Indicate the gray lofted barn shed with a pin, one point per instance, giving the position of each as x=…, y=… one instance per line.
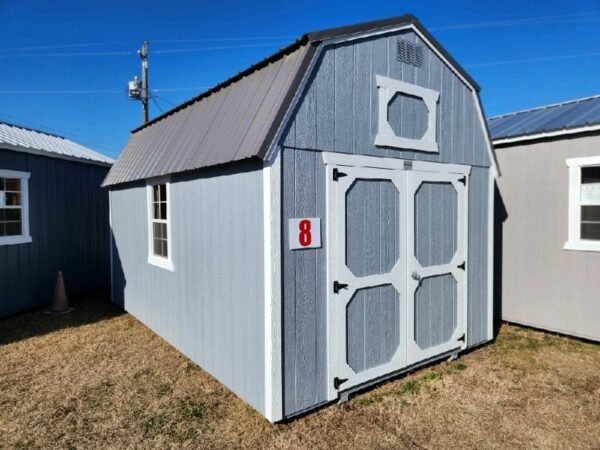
x=53, y=216
x=317, y=223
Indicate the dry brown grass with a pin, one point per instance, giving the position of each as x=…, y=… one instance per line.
x=98, y=378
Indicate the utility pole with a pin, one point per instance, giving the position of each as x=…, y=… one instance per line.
x=138, y=90
x=143, y=53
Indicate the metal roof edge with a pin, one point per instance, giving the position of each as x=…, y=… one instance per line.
x=516, y=140
x=316, y=37
x=538, y=108
x=34, y=151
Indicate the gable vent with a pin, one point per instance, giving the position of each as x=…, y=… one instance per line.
x=409, y=53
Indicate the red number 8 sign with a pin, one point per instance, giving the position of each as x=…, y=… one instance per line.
x=305, y=237
x=304, y=233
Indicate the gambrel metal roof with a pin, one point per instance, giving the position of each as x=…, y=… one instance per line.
x=20, y=139
x=569, y=117
x=239, y=118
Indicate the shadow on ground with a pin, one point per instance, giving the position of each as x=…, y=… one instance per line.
x=90, y=308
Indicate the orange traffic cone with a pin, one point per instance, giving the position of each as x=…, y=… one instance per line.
x=60, y=302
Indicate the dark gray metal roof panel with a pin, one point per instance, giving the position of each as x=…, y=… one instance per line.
x=562, y=116
x=238, y=118
x=229, y=125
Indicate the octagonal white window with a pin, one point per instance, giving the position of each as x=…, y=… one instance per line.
x=388, y=88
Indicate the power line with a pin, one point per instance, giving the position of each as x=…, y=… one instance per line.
x=223, y=39
x=164, y=100
x=157, y=105
x=516, y=22
x=129, y=53
x=94, y=91
x=50, y=47
x=530, y=60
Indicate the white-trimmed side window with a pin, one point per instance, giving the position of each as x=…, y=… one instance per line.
x=584, y=204
x=159, y=227
x=14, y=207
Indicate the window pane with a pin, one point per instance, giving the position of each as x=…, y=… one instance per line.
x=156, y=210
x=2, y=230
x=2, y=181
x=13, y=184
x=163, y=230
x=155, y=194
x=158, y=247
x=163, y=211
x=590, y=213
x=590, y=231
x=590, y=175
x=12, y=228
x=13, y=199
x=156, y=230
x=164, y=249
x=163, y=192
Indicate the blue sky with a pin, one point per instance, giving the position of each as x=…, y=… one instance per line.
x=508, y=46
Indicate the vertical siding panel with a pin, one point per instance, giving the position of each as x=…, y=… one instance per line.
x=324, y=85
x=306, y=325
x=344, y=114
x=363, y=79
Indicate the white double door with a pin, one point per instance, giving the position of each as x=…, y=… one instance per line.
x=397, y=248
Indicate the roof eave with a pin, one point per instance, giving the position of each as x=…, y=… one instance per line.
x=34, y=151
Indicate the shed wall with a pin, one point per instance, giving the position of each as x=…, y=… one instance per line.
x=211, y=307
x=543, y=285
x=338, y=113
x=68, y=221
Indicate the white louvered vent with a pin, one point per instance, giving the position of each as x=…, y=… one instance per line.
x=409, y=53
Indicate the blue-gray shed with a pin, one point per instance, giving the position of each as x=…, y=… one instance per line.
x=53, y=216
x=317, y=223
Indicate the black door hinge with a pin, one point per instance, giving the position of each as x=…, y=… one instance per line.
x=463, y=180
x=337, y=174
x=462, y=266
x=338, y=286
x=462, y=338
x=337, y=382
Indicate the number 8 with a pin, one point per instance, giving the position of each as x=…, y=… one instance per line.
x=305, y=237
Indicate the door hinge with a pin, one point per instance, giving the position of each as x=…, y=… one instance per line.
x=462, y=266
x=337, y=382
x=338, y=286
x=462, y=338
x=337, y=174
x=463, y=180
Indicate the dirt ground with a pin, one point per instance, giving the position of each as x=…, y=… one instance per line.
x=99, y=378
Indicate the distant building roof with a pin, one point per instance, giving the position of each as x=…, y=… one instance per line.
x=569, y=117
x=17, y=138
x=239, y=118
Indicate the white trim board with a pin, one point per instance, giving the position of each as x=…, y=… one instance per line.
x=345, y=159
x=547, y=134
x=272, y=286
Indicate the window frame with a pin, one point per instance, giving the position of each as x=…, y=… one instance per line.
x=155, y=260
x=574, y=241
x=25, y=236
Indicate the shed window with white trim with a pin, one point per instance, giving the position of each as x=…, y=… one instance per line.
x=584, y=204
x=14, y=207
x=159, y=229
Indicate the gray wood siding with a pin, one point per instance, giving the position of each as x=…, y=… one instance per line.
x=338, y=113
x=68, y=221
x=211, y=307
x=435, y=310
x=543, y=285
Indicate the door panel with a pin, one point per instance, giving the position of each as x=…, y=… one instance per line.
x=397, y=286
x=367, y=315
x=436, y=266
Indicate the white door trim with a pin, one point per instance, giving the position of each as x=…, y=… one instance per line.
x=337, y=365
x=344, y=159
x=414, y=353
